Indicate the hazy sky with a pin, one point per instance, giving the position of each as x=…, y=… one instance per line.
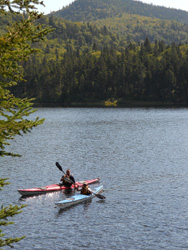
x=177, y=4
x=54, y=5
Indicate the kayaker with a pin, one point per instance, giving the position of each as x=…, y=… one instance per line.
x=85, y=189
x=68, y=179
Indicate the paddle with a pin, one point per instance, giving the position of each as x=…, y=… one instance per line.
x=100, y=196
x=59, y=166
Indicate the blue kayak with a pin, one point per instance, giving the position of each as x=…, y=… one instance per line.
x=78, y=198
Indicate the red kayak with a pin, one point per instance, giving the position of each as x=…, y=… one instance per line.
x=51, y=188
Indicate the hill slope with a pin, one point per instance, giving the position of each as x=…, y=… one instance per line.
x=135, y=28
x=131, y=21
x=89, y=10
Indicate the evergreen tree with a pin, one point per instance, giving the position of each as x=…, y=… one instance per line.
x=15, y=47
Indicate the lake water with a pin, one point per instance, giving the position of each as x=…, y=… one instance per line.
x=141, y=156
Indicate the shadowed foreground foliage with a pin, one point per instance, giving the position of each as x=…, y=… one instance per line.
x=15, y=47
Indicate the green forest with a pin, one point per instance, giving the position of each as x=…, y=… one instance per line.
x=126, y=57
x=150, y=73
x=89, y=10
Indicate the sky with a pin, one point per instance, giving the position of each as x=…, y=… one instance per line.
x=54, y=5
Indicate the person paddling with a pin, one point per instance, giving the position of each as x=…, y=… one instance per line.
x=68, y=179
x=85, y=189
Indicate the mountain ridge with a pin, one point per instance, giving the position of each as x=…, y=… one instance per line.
x=88, y=10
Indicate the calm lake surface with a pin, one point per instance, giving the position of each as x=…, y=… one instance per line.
x=141, y=156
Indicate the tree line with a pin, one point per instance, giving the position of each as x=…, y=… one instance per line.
x=148, y=73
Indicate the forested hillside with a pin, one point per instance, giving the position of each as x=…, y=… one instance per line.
x=111, y=32
x=121, y=59
x=134, y=28
x=68, y=35
x=131, y=21
x=89, y=10
x=116, y=31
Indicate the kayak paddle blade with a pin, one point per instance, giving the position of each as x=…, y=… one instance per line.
x=100, y=196
x=59, y=166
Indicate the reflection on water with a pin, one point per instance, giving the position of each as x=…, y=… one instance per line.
x=141, y=157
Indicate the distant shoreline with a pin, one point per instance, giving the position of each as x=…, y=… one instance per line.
x=102, y=105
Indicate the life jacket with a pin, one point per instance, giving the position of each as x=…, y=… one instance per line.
x=66, y=183
x=85, y=191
